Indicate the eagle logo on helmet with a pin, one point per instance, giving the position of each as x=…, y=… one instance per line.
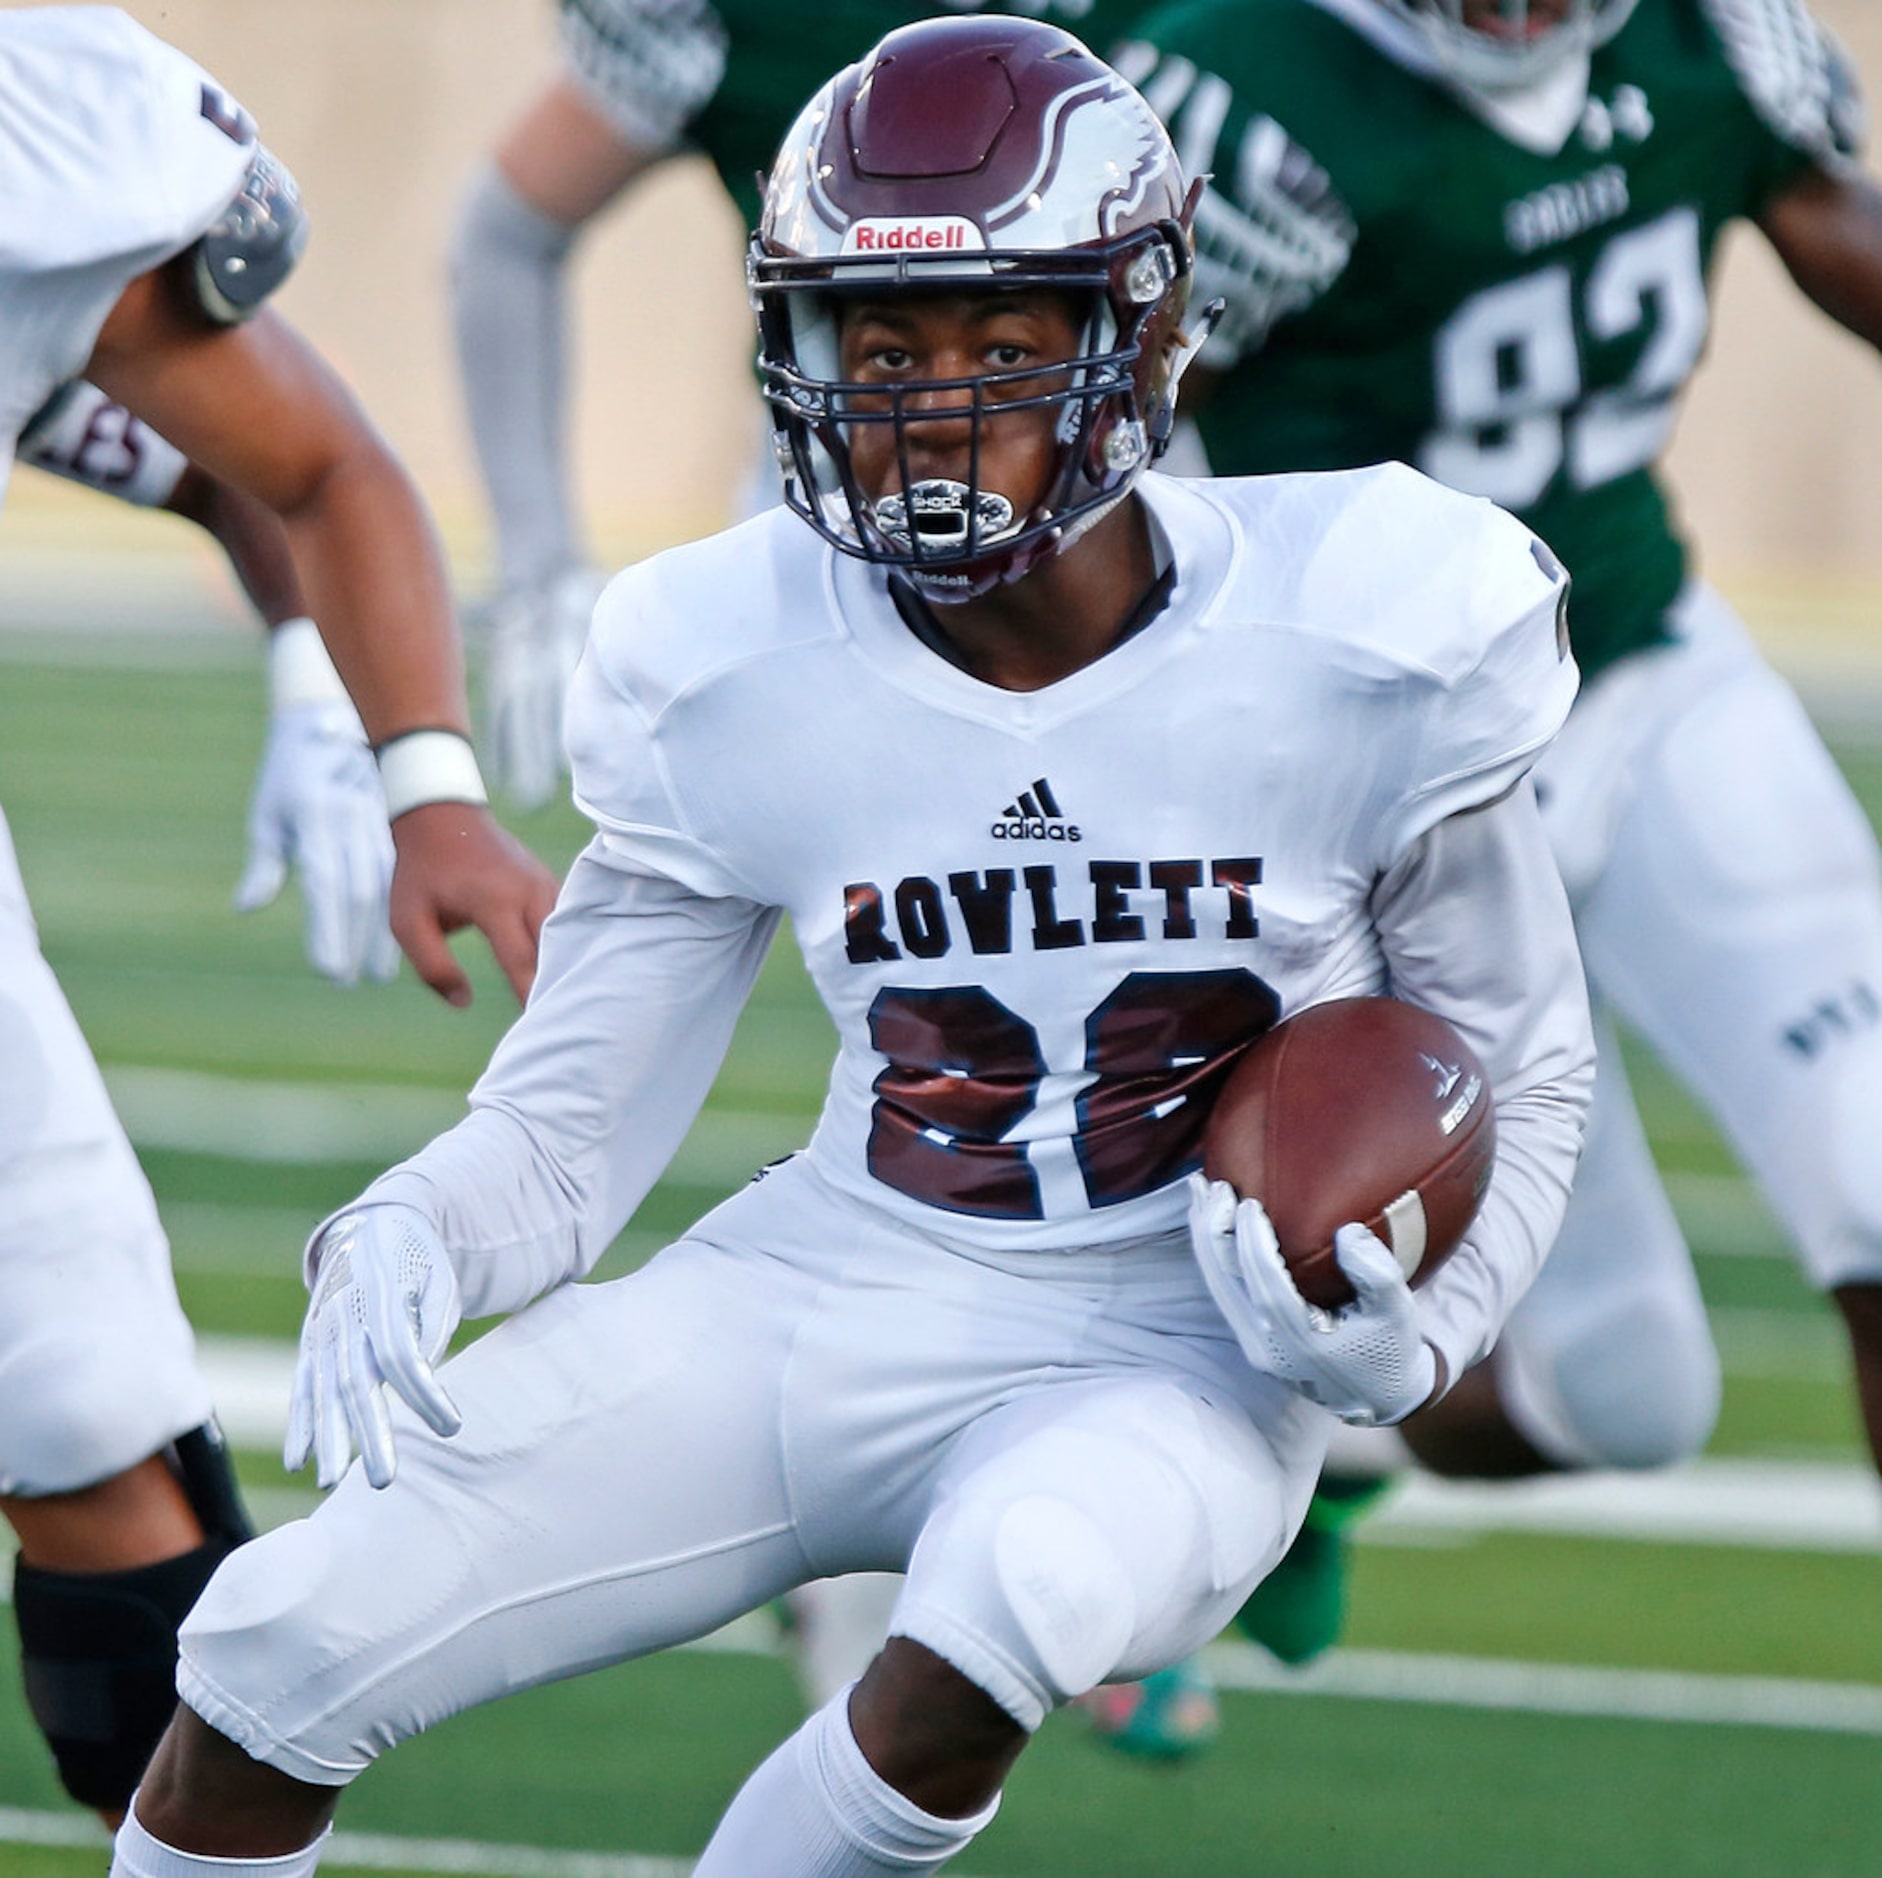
x=994, y=151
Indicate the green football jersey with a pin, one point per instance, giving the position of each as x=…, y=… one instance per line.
x=1513, y=322
x=730, y=76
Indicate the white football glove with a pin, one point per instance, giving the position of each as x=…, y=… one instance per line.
x=1367, y=1361
x=318, y=808
x=536, y=637
x=384, y=1305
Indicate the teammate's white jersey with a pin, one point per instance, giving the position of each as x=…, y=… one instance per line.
x=1043, y=922
x=116, y=152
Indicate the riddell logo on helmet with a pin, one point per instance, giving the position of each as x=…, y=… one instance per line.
x=911, y=234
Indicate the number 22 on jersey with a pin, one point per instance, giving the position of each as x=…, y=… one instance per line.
x=966, y=1074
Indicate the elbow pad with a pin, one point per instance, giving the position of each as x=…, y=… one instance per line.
x=252, y=246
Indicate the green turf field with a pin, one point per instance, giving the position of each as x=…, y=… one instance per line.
x=263, y=1097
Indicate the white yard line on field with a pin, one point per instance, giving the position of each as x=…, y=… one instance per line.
x=305, y=1124
x=1361, y=1675
x=300, y=1123
x=1802, y=1506
x=1558, y=1689
x=381, y=1851
x=376, y=1851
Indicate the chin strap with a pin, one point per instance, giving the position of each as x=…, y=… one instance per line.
x=1194, y=338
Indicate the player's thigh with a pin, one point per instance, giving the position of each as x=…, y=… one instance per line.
x=97, y=1365
x=617, y=1487
x=1608, y=1359
x=1100, y=1529
x=1738, y=927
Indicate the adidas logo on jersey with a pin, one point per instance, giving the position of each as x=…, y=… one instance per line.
x=1034, y=815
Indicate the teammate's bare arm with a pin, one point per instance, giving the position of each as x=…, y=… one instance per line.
x=250, y=534
x=1827, y=230
x=566, y=158
x=254, y=406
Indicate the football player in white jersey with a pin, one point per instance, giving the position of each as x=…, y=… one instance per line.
x=141, y=227
x=641, y=82
x=1072, y=781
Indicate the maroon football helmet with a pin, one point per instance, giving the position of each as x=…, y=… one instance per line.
x=972, y=150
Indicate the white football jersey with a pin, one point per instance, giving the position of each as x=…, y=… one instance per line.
x=116, y=152
x=1043, y=922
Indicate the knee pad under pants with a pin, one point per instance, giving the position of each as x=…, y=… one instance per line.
x=1072, y=1548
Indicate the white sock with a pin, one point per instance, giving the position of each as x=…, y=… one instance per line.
x=817, y=1809
x=507, y=295
x=135, y=1854
x=1368, y=1451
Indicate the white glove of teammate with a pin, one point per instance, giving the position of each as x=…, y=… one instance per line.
x=1366, y=1362
x=384, y=1305
x=536, y=637
x=318, y=807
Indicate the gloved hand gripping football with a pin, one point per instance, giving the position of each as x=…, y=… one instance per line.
x=1366, y=1361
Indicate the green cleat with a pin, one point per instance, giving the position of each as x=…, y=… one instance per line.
x=1166, y=1717
x=1297, y=1612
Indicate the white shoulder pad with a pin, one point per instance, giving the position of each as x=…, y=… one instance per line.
x=112, y=143
x=668, y=626
x=1386, y=558
x=1796, y=75
x=1454, y=604
x=667, y=632
x=1272, y=234
x=652, y=65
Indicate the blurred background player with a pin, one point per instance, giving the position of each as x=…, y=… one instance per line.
x=317, y=809
x=642, y=82
x=1476, y=235
x=142, y=225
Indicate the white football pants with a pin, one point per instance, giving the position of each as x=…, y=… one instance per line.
x=97, y=1364
x=1073, y=1461
x=1729, y=904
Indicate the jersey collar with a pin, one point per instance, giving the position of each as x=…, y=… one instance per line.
x=929, y=627
x=1203, y=550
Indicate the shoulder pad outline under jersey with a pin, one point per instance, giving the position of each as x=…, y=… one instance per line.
x=653, y=64
x=1272, y=233
x=1795, y=74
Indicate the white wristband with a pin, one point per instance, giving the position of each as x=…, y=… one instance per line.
x=420, y=767
x=299, y=670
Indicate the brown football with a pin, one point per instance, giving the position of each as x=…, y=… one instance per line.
x=1362, y=1109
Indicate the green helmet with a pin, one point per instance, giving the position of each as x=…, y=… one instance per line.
x=1522, y=41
